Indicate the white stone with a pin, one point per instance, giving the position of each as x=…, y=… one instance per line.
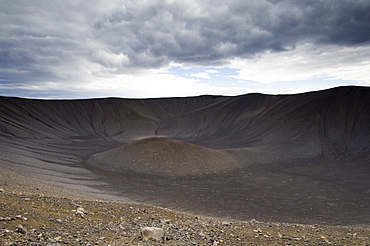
x=82, y=210
x=152, y=233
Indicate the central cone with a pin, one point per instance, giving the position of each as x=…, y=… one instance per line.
x=161, y=156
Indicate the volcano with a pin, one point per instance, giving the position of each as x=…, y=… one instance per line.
x=295, y=158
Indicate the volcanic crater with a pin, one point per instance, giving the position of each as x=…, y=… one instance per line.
x=291, y=158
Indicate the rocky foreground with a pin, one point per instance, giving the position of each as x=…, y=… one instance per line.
x=31, y=219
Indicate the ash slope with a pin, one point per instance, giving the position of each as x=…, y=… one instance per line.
x=329, y=123
x=319, y=139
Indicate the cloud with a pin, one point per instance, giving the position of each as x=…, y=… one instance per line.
x=203, y=75
x=212, y=71
x=207, y=74
x=155, y=33
x=79, y=42
x=307, y=62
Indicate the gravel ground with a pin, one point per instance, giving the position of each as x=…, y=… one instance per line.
x=35, y=212
x=42, y=220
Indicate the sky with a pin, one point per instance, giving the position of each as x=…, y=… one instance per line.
x=175, y=48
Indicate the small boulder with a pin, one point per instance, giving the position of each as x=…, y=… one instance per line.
x=152, y=233
x=81, y=209
x=80, y=214
x=21, y=229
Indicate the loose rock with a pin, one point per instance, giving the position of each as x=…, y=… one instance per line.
x=82, y=210
x=21, y=229
x=152, y=233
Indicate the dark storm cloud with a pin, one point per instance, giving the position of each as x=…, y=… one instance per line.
x=43, y=40
x=337, y=22
x=208, y=32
